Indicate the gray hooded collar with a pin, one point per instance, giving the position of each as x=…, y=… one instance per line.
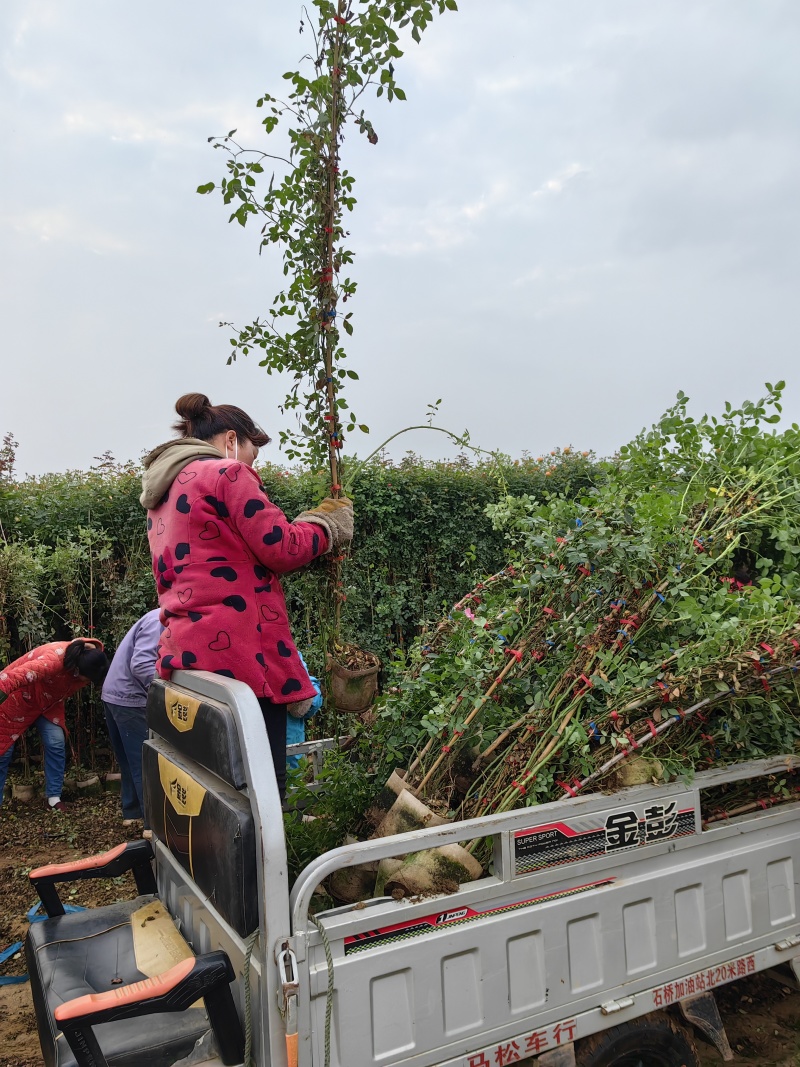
x=163, y=465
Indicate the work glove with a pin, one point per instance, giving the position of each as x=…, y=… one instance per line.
x=336, y=518
x=300, y=708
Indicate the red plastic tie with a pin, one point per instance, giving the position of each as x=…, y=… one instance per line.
x=521, y=788
x=587, y=681
x=515, y=653
x=762, y=803
x=652, y=728
x=550, y=611
x=765, y=683
x=584, y=570
x=633, y=742
x=567, y=788
x=767, y=649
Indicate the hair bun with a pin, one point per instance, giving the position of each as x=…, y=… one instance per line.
x=192, y=405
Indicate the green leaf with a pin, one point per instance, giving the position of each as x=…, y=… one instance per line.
x=207, y=188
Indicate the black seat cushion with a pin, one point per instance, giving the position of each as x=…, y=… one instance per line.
x=200, y=729
x=208, y=827
x=99, y=950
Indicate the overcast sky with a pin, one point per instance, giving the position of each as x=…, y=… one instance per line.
x=583, y=207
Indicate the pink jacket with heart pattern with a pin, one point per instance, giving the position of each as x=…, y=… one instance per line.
x=218, y=545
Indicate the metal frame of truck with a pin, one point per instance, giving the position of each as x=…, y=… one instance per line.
x=599, y=909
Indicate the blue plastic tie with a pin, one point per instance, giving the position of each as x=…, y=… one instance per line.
x=34, y=917
x=6, y=954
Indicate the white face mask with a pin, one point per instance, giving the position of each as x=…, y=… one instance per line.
x=235, y=449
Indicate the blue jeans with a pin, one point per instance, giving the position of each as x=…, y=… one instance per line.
x=127, y=728
x=55, y=758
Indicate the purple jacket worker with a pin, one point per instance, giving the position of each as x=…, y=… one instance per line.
x=125, y=698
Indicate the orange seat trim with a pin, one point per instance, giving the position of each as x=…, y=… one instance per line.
x=128, y=994
x=88, y=864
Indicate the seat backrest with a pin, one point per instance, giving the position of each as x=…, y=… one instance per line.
x=202, y=730
x=192, y=773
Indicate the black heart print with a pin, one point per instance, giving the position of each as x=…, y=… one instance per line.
x=252, y=506
x=218, y=506
x=228, y=573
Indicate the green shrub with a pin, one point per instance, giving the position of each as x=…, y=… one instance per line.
x=74, y=557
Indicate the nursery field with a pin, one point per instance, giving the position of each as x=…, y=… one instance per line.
x=574, y=625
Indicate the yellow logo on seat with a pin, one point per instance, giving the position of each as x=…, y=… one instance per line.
x=181, y=709
x=181, y=790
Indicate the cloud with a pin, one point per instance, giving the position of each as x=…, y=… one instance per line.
x=60, y=226
x=580, y=209
x=441, y=224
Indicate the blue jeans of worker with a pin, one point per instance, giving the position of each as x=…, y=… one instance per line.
x=55, y=758
x=127, y=728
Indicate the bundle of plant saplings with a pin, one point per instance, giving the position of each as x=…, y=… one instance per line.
x=645, y=630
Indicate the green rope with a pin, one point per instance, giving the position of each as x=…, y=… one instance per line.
x=329, y=997
x=248, y=1013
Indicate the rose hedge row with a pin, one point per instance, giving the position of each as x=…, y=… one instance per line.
x=74, y=556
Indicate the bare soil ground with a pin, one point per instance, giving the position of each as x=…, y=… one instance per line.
x=761, y=1016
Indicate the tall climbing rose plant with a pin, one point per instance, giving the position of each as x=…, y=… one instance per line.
x=355, y=44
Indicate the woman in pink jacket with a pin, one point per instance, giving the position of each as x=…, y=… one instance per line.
x=33, y=689
x=218, y=546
